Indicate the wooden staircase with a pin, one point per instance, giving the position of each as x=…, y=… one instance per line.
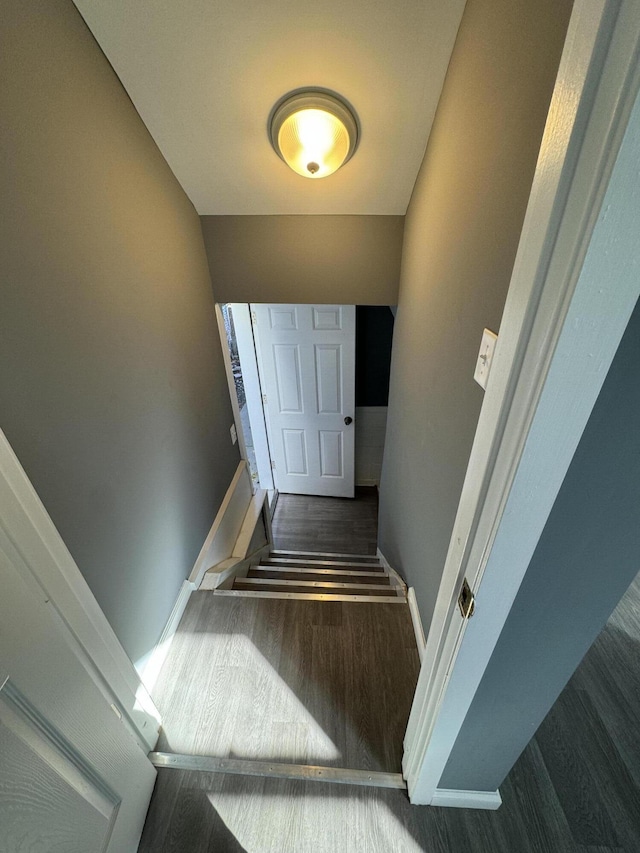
x=319, y=577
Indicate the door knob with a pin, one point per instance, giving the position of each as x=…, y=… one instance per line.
x=348, y=421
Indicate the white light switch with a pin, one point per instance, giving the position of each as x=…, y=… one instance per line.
x=234, y=434
x=485, y=357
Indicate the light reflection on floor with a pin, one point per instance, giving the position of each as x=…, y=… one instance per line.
x=322, y=822
x=274, y=722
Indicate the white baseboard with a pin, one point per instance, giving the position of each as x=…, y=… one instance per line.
x=226, y=527
x=253, y=514
x=490, y=800
x=230, y=532
x=152, y=665
x=396, y=579
x=421, y=640
x=371, y=424
x=227, y=571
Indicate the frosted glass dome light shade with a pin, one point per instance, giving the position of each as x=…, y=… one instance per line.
x=315, y=133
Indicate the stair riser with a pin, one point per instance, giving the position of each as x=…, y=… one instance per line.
x=292, y=575
x=303, y=596
x=324, y=590
x=322, y=564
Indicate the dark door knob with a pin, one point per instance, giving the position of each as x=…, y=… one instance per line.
x=348, y=420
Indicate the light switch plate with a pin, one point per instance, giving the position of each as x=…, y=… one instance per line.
x=234, y=434
x=485, y=357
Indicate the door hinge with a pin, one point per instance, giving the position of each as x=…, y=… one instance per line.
x=254, y=319
x=466, y=601
x=264, y=398
x=273, y=464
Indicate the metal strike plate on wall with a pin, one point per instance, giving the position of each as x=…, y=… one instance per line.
x=466, y=601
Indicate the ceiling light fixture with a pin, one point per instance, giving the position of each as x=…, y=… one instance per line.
x=314, y=131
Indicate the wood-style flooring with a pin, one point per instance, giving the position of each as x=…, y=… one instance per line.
x=342, y=525
x=575, y=789
x=307, y=682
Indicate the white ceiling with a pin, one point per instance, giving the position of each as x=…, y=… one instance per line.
x=204, y=75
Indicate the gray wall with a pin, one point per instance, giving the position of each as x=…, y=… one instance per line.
x=461, y=234
x=587, y=556
x=112, y=386
x=351, y=260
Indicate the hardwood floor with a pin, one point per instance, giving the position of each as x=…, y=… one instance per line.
x=205, y=812
x=343, y=525
x=306, y=682
x=575, y=789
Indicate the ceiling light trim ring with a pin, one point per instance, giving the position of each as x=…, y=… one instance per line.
x=314, y=99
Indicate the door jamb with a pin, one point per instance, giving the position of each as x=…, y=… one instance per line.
x=228, y=369
x=557, y=340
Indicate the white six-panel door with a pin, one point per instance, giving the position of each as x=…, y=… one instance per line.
x=306, y=358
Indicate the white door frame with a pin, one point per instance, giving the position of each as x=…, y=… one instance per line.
x=559, y=334
x=253, y=392
x=228, y=368
x=83, y=624
x=249, y=365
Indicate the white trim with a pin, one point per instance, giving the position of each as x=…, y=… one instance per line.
x=224, y=574
x=227, y=524
x=370, y=425
x=467, y=799
x=253, y=514
x=229, y=534
x=557, y=339
x=230, y=382
x=311, y=596
x=153, y=665
x=418, y=629
x=33, y=534
x=397, y=581
x=252, y=390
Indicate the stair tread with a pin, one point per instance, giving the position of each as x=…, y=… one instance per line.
x=326, y=555
x=320, y=586
x=293, y=573
x=312, y=596
x=325, y=564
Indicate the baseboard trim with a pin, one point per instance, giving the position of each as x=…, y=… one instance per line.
x=149, y=673
x=418, y=629
x=396, y=579
x=252, y=516
x=227, y=524
x=228, y=570
x=448, y=798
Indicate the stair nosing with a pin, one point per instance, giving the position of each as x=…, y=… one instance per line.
x=310, y=584
x=328, y=572
x=312, y=596
x=325, y=564
x=323, y=554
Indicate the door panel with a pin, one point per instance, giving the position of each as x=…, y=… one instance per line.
x=288, y=379
x=295, y=451
x=51, y=800
x=329, y=378
x=306, y=358
x=331, y=457
x=72, y=776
